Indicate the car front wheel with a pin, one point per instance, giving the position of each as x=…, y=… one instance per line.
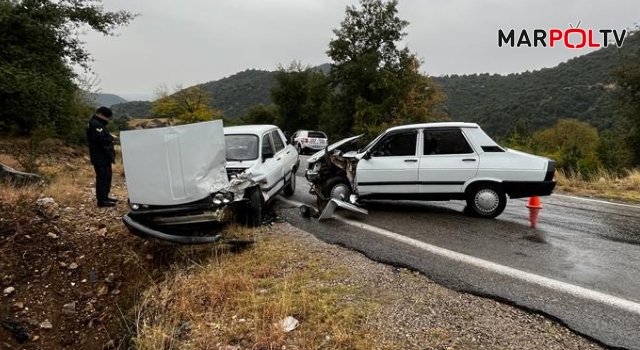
x=486, y=201
x=337, y=187
x=256, y=202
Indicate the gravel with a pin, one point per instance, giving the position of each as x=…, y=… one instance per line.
x=415, y=313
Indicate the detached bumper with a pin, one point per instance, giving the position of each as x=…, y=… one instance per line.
x=143, y=231
x=521, y=189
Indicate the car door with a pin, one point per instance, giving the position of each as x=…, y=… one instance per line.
x=286, y=152
x=271, y=167
x=391, y=166
x=447, y=161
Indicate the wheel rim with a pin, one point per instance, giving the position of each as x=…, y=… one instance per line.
x=340, y=191
x=487, y=200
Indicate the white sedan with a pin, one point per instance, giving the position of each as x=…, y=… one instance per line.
x=432, y=161
x=182, y=178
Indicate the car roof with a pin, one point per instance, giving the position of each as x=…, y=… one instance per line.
x=435, y=125
x=249, y=129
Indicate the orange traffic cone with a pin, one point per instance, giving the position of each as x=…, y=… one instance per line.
x=534, y=206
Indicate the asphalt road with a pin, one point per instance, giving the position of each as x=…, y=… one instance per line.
x=580, y=265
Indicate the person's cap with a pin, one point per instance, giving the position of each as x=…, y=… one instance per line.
x=105, y=111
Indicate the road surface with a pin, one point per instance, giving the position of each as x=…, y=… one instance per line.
x=580, y=265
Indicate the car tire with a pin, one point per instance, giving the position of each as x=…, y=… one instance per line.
x=299, y=149
x=337, y=187
x=486, y=201
x=290, y=187
x=256, y=204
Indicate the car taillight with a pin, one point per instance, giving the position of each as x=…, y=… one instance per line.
x=305, y=140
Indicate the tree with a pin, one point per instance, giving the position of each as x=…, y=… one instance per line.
x=628, y=81
x=261, y=114
x=376, y=83
x=40, y=45
x=300, y=93
x=184, y=106
x=572, y=143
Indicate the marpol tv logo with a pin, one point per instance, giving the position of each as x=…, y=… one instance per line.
x=571, y=38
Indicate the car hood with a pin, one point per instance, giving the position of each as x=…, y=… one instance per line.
x=174, y=165
x=314, y=158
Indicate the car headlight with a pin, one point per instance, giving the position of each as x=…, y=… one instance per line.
x=222, y=197
x=135, y=206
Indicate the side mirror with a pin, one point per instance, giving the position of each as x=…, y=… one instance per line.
x=366, y=155
x=266, y=156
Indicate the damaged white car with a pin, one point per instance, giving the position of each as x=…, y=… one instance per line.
x=433, y=161
x=181, y=178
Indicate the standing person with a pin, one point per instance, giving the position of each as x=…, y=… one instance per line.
x=102, y=154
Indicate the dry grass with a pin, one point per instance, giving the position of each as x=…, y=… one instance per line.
x=241, y=299
x=603, y=185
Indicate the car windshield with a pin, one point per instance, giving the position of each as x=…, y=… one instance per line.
x=241, y=147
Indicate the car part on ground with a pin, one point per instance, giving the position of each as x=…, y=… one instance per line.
x=18, y=178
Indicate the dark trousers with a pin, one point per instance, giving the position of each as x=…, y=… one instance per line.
x=103, y=182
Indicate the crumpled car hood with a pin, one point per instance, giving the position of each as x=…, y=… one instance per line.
x=314, y=158
x=174, y=165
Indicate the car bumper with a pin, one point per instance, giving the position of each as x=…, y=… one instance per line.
x=314, y=147
x=146, y=232
x=521, y=189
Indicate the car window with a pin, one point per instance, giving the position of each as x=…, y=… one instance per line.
x=267, y=147
x=277, y=141
x=445, y=142
x=397, y=144
x=241, y=147
x=317, y=135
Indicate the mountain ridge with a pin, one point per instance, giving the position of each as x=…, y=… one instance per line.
x=581, y=88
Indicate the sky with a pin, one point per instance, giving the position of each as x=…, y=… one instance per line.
x=189, y=42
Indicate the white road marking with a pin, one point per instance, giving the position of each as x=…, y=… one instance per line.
x=596, y=201
x=564, y=287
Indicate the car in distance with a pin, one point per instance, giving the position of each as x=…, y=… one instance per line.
x=309, y=141
x=183, y=179
x=432, y=161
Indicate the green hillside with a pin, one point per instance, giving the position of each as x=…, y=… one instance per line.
x=104, y=99
x=579, y=88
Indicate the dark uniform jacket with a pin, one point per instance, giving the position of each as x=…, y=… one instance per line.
x=100, y=140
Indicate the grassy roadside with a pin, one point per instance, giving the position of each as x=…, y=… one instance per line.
x=241, y=300
x=602, y=185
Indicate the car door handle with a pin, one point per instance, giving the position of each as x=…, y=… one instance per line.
x=288, y=152
x=279, y=158
x=469, y=160
x=410, y=160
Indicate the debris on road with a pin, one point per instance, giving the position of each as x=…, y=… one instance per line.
x=289, y=324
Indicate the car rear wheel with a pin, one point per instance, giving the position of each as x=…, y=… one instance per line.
x=290, y=187
x=486, y=201
x=299, y=149
x=337, y=187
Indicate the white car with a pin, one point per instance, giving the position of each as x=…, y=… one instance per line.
x=432, y=161
x=264, y=152
x=309, y=141
x=181, y=178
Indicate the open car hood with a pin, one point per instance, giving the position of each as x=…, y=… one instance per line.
x=174, y=165
x=314, y=158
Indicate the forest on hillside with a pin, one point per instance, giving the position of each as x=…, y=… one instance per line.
x=581, y=88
